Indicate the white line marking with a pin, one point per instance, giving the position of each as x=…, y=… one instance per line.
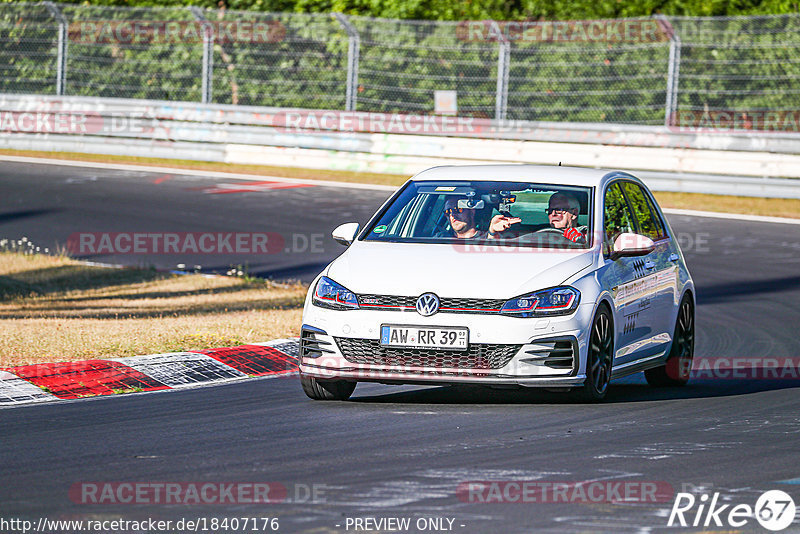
x=193, y=172
x=329, y=183
x=734, y=216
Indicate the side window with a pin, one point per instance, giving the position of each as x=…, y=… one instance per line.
x=617, y=218
x=649, y=225
x=662, y=233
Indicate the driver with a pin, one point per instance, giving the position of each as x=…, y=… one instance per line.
x=562, y=212
x=462, y=222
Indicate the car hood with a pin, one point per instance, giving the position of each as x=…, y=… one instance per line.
x=410, y=269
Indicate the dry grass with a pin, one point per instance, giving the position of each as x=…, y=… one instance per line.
x=772, y=207
x=55, y=309
x=730, y=204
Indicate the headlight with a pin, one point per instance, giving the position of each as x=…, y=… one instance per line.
x=329, y=294
x=546, y=303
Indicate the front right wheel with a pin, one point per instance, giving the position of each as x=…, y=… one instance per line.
x=326, y=389
x=600, y=357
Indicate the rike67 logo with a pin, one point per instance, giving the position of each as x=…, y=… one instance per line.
x=774, y=510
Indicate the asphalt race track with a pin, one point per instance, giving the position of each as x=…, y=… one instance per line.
x=48, y=204
x=403, y=452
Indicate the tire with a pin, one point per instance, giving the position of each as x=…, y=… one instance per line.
x=677, y=368
x=599, y=358
x=326, y=389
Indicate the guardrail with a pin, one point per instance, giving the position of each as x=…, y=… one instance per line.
x=642, y=70
x=763, y=164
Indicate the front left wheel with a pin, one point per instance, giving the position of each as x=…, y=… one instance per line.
x=326, y=389
x=676, y=370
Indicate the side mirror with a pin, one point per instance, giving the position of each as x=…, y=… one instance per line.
x=344, y=234
x=630, y=244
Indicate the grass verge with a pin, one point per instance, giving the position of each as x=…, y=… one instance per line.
x=55, y=309
x=773, y=207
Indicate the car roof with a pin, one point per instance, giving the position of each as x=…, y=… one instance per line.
x=549, y=174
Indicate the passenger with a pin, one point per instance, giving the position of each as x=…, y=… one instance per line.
x=463, y=226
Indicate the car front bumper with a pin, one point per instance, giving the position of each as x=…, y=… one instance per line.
x=535, y=348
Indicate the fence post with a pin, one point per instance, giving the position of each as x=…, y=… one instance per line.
x=503, y=60
x=673, y=70
x=61, y=59
x=208, y=55
x=353, y=51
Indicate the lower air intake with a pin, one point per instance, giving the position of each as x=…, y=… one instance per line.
x=477, y=356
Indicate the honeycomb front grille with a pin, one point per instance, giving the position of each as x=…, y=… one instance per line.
x=477, y=356
x=459, y=305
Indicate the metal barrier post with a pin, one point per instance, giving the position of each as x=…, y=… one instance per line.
x=208, y=55
x=673, y=71
x=353, y=50
x=503, y=60
x=61, y=59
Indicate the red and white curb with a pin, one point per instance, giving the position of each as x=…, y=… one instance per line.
x=45, y=382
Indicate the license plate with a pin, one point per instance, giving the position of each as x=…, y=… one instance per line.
x=425, y=337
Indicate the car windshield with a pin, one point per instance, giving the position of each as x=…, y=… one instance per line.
x=500, y=213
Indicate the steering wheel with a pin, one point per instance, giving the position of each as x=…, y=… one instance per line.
x=553, y=230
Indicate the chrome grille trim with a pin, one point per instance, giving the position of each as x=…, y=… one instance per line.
x=446, y=305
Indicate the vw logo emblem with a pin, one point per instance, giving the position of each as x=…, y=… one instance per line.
x=427, y=304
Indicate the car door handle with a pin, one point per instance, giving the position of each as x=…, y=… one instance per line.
x=649, y=265
x=674, y=257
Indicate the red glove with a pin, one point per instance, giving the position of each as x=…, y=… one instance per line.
x=573, y=234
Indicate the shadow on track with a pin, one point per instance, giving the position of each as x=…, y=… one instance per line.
x=617, y=393
x=13, y=216
x=728, y=291
x=63, y=278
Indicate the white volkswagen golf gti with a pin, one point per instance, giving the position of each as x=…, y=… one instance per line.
x=500, y=275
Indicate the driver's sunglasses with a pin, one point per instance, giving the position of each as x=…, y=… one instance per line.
x=557, y=211
x=451, y=211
